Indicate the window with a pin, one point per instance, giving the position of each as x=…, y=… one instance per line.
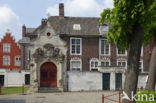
x=122, y=63
x=6, y=48
x=75, y=46
x=17, y=61
x=105, y=63
x=75, y=65
x=140, y=66
x=93, y=65
x=76, y=27
x=121, y=52
x=6, y=60
x=104, y=47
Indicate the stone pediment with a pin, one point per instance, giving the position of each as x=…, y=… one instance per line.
x=47, y=29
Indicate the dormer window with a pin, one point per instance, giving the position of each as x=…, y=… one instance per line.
x=76, y=27
x=103, y=29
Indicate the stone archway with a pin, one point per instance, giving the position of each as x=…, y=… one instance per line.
x=48, y=75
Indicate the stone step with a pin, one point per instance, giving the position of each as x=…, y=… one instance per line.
x=48, y=90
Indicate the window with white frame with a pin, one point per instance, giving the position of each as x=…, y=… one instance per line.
x=6, y=48
x=104, y=47
x=140, y=66
x=94, y=65
x=121, y=52
x=105, y=63
x=75, y=46
x=6, y=60
x=75, y=65
x=122, y=63
x=17, y=61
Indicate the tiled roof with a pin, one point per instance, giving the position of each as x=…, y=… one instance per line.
x=64, y=26
x=89, y=26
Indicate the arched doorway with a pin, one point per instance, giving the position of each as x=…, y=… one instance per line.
x=48, y=75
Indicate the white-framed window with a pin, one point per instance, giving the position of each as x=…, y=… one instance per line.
x=121, y=52
x=17, y=61
x=122, y=64
x=104, y=47
x=105, y=63
x=141, y=66
x=6, y=47
x=76, y=27
x=94, y=65
x=75, y=46
x=6, y=60
x=75, y=65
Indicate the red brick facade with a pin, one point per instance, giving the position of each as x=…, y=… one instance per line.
x=14, y=52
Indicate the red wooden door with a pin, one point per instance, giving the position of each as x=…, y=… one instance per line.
x=48, y=75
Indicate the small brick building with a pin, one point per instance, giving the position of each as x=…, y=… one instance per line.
x=72, y=53
x=10, y=53
x=11, y=73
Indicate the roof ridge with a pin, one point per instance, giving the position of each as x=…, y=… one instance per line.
x=76, y=17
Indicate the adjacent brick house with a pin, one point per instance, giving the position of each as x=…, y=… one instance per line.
x=76, y=50
x=11, y=73
x=10, y=53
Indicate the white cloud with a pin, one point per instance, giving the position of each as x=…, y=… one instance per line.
x=108, y=3
x=89, y=8
x=9, y=20
x=53, y=10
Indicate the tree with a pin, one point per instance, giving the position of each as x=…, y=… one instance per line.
x=130, y=19
x=151, y=33
x=152, y=70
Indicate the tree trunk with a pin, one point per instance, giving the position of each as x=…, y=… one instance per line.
x=132, y=72
x=152, y=70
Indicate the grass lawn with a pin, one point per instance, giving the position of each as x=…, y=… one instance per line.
x=14, y=90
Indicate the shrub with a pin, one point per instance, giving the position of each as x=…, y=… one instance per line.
x=145, y=95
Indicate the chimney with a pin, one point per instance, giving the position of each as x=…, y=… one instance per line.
x=44, y=22
x=61, y=10
x=23, y=31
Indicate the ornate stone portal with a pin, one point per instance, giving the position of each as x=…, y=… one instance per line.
x=47, y=61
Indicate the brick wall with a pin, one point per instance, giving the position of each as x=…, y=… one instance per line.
x=90, y=49
x=14, y=51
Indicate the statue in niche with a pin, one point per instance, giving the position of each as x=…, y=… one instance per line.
x=56, y=52
x=49, y=50
x=38, y=53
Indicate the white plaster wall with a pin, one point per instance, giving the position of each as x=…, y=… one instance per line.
x=87, y=81
x=142, y=81
x=123, y=80
x=112, y=81
x=15, y=78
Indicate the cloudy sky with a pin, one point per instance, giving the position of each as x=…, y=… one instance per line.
x=15, y=13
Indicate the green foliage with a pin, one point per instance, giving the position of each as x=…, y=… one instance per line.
x=124, y=16
x=148, y=93
x=150, y=27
